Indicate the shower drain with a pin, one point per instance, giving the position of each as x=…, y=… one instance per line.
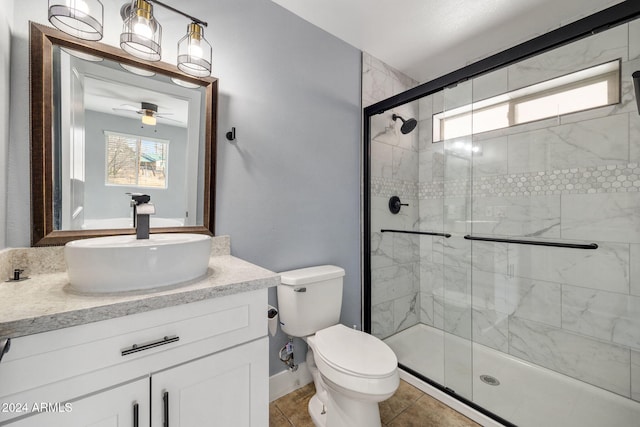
x=488, y=379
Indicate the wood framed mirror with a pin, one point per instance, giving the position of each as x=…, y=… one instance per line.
x=91, y=143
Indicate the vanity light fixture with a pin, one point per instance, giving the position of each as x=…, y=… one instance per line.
x=141, y=32
x=194, y=52
x=79, y=18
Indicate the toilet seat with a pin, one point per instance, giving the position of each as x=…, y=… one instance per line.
x=355, y=353
x=354, y=363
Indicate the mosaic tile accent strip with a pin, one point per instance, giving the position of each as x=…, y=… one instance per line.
x=387, y=187
x=590, y=180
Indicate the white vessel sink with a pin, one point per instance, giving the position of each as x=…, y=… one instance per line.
x=122, y=263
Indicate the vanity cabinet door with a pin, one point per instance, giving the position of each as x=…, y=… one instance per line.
x=111, y=408
x=230, y=388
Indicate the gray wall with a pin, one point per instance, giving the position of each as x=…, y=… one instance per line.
x=288, y=190
x=6, y=17
x=102, y=201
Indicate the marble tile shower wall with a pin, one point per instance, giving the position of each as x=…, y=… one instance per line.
x=395, y=258
x=573, y=177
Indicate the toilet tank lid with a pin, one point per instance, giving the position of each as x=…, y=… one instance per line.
x=304, y=276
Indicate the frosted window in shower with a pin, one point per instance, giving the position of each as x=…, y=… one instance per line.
x=583, y=90
x=581, y=98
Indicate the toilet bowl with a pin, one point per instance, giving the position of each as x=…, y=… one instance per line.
x=352, y=370
x=356, y=371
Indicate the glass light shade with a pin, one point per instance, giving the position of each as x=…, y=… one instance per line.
x=79, y=18
x=141, y=33
x=194, y=52
x=148, y=118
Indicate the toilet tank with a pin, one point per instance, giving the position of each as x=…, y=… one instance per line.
x=310, y=299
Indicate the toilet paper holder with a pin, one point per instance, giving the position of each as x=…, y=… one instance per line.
x=272, y=316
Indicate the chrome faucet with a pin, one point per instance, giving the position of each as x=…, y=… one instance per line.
x=142, y=208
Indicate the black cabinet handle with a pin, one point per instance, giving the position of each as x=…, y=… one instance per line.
x=136, y=348
x=165, y=402
x=135, y=415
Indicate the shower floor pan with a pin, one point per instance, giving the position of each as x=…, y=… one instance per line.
x=528, y=395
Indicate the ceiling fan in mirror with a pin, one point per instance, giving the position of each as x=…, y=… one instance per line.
x=148, y=111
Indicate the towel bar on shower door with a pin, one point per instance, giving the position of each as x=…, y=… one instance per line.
x=427, y=233
x=535, y=242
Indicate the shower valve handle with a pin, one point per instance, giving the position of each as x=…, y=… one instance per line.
x=395, y=204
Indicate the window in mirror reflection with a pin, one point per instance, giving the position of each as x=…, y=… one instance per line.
x=136, y=161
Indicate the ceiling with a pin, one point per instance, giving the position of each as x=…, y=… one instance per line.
x=429, y=38
x=108, y=88
x=112, y=97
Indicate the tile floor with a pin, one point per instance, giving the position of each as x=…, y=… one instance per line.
x=409, y=407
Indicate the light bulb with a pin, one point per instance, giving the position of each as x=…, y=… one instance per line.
x=194, y=52
x=195, y=49
x=142, y=28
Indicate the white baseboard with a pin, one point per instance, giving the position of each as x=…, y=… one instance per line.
x=451, y=402
x=285, y=382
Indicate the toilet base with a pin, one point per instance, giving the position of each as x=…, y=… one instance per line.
x=346, y=413
x=342, y=407
x=317, y=412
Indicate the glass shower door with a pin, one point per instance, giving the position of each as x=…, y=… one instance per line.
x=555, y=306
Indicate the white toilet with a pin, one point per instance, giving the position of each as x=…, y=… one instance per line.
x=352, y=370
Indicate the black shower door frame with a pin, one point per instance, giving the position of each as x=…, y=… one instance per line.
x=608, y=18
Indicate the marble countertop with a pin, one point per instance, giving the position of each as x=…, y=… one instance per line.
x=44, y=302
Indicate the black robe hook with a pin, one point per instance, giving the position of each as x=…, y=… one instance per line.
x=231, y=135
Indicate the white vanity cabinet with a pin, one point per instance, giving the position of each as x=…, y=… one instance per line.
x=201, y=363
x=123, y=406
x=218, y=390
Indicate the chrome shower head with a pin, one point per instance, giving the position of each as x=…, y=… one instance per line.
x=407, y=125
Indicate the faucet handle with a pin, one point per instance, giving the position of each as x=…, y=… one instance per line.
x=139, y=198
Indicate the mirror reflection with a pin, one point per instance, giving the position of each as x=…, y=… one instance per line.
x=118, y=130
